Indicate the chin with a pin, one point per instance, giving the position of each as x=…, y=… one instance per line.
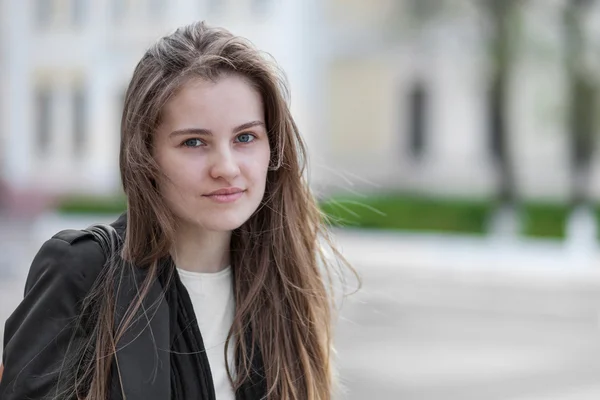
x=222, y=224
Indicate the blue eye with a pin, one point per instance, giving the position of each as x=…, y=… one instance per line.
x=246, y=138
x=195, y=142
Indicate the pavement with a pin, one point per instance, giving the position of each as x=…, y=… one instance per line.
x=470, y=318
x=445, y=317
x=424, y=336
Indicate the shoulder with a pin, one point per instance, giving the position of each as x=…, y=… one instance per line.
x=71, y=257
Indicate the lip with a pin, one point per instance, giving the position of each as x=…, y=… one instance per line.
x=226, y=195
x=225, y=191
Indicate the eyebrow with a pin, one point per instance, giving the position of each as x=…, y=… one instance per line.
x=208, y=132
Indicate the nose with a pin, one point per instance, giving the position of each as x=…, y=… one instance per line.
x=224, y=165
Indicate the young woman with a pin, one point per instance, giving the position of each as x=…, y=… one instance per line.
x=214, y=284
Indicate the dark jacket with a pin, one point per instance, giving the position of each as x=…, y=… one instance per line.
x=40, y=329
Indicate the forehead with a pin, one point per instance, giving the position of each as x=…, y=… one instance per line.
x=227, y=102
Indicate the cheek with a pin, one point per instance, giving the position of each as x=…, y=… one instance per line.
x=259, y=166
x=265, y=158
x=180, y=176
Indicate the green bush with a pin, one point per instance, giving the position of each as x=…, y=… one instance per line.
x=391, y=212
x=544, y=220
x=92, y=205
x=597, y=214
x=414, y=213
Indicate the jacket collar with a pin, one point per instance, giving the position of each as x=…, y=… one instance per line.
x=120, y=225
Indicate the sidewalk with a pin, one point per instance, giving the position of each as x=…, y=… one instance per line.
x=521, y=259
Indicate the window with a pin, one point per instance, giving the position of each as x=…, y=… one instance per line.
x=156, y=8
x=78, y=12
x=418, y=104
x=496, y=122
x=43, y=120
x=214, y=6
x=122, y=95
x=79, y=121
x=120, y=9
x=119, y=107
x=58, y=13
x=260, y=7
x=44, y=12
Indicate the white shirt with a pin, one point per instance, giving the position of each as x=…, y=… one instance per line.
x=214, y=305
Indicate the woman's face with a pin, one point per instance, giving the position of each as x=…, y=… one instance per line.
x=213, y=151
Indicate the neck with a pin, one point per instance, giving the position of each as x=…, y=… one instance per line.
x=199, y=250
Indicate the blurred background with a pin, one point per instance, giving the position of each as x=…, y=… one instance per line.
x=453, y=146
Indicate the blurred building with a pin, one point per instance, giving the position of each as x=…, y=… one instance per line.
x=406, y=107
x=406, y=97
x=390, y=94
x=66, y=64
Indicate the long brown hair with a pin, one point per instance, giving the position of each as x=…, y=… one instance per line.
x=282, y=278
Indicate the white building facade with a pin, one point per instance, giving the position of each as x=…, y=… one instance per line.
x=66, y=65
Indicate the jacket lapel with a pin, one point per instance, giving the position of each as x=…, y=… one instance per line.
x=143, y=357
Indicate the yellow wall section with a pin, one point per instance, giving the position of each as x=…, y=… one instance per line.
x=362, y=107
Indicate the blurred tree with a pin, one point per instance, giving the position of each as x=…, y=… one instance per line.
x=582, y=97
x=423, y=11
x=502, y=17
x=501, y=20
x=420, y=16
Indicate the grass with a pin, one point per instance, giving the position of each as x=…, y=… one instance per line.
x=544, y=220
